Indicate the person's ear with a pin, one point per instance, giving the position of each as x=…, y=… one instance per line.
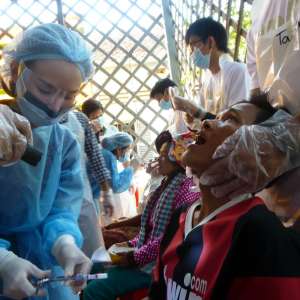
x=14, y=71
x=117, y=152
x=211, y=43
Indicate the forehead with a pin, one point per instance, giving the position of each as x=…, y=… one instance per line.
x=59, y=73
x=158, y=96
x=194, y=39
x=246, y=111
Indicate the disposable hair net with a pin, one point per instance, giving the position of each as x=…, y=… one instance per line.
x=118, y=140
x=50, y=41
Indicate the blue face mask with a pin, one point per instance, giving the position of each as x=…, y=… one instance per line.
x=165, y=104
x=200, y=60
x=101, y=121
x=125, y=157
x=38, y=113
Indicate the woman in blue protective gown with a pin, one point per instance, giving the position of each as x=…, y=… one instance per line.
x=39, y=205
x=116, y=148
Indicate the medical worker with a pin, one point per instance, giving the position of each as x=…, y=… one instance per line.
x=223, y=81
x=270, y=150
x=116, y=149
x=44, y=70
x=160, y=93
x=15, y=134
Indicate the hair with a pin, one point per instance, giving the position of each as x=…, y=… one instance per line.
x=266, y=109
x=162, y=138
x=160, y=86
x=90, y=106
x=205, y=27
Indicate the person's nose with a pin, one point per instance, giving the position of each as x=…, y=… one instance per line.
x=57, y=102
x=206, y=125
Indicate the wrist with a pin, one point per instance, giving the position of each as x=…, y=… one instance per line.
x=5, y=257
x=61, y=242
x=198, y=113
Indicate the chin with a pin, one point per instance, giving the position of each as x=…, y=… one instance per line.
x=191, y=155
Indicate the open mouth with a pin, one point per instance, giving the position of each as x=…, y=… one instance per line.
x=200, y=140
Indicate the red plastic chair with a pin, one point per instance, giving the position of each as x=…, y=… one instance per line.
x=136, y=295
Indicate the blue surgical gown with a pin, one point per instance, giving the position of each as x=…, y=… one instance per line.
x=120, y=181
x=40, y=203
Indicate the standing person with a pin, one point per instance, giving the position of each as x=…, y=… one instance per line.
x=91, y=155
x=93, y=109
x=271, y=149
x=160, y=92
x=116, y=148
x=224, y=82
x=40, y=205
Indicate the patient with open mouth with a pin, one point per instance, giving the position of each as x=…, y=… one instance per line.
x=232, y=249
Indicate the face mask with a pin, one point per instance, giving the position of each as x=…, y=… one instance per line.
x=101, y=121
x=200, y=60
x=125, y=157
x=32, y=108
x=165, y=104
x=38, y=113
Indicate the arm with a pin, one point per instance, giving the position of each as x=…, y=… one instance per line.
x=62, y=219
x=148, y=252
x=94, y=153
x=120, y=181
x=135, y=221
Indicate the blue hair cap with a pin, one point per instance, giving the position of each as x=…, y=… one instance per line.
x=54, y=41
x=117, y=140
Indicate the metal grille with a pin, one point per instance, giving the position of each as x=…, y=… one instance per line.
x=128, y=41
x=127, y=38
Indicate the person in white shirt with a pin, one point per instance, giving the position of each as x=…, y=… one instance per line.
x=160, y=93
x=224, y=81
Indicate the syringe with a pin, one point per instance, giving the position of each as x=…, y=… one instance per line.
x=78, y=277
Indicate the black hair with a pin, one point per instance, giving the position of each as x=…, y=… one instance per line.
x=90, y=106
x=160, y=86
x=162, y=138
x=205, y=27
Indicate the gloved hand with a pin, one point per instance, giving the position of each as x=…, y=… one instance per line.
x=106, y=199
x=15, y=134
x=254, y=156
x=71, y=259
x=182, y=104
x=15, y=273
